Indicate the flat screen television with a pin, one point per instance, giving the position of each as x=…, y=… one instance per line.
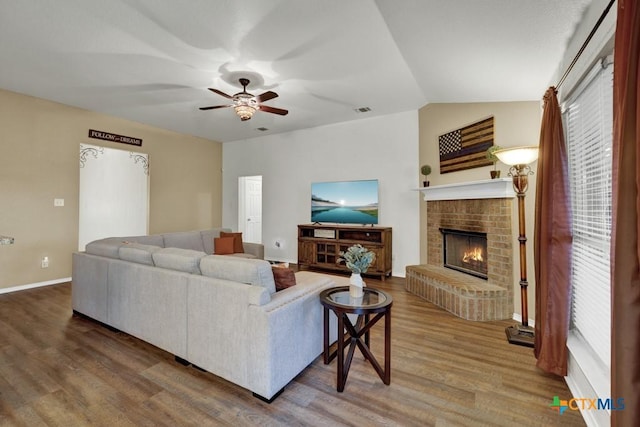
x=345, y=202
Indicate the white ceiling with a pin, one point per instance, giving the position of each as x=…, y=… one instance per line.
x=152, y=61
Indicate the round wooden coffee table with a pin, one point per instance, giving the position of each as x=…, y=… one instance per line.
x=373, y=301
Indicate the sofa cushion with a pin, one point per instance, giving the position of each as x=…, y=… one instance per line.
x=105, y=247
x=237, y=241
x=255, y=272
x=135, y=252
x=178, y=259
x=244, y=255
x=284, y=277
x=223, y=245
x=153, y=240
x=184, y=240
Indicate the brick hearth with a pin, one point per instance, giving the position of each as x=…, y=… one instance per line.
x=458, y=293
x=461, y=294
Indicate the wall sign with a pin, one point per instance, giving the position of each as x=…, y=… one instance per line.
x=98, y=134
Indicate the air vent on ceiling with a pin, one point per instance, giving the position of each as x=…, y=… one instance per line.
x=262, y=129
x=362, y=109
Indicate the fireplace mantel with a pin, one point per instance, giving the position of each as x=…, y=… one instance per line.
x=501, y=188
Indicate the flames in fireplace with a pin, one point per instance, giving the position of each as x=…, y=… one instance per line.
x=465, y=251
x=473, y=256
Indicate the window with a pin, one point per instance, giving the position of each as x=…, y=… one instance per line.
x=588, y=117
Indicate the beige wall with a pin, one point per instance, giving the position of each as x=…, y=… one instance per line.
x=39, y=143
x=515, y=123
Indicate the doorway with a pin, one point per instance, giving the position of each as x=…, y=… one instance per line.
x=250, y=208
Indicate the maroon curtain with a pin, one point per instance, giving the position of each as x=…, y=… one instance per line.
x=552, y=243
x=625, y=236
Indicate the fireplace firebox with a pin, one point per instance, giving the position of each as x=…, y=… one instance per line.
x=465, y=251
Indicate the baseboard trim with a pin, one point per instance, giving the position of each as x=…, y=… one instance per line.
x=34, y=285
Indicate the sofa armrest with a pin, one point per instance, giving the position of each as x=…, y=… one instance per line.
x=256, y=249
x=286, y=333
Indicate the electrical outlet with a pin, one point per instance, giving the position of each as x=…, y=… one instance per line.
x=58, y=202
x=45, y=262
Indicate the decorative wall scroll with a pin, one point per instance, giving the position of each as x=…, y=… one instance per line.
x=465, y=148
x=89, y=150
x=143, y=159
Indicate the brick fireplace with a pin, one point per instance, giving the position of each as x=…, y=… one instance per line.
x=482, y=207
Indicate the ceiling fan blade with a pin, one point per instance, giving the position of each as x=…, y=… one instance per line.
x=215, y=106
x=221, y=93
x=266, y=96
x=273, y=110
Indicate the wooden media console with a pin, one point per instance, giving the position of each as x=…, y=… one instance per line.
x=319, y=246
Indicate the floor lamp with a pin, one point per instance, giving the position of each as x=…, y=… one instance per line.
x=519, y=159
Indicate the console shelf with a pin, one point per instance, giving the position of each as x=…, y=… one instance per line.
x=319, y=246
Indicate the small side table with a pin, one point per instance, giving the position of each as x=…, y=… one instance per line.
x=341, y=303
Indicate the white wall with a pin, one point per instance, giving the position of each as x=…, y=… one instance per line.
x=383, y=148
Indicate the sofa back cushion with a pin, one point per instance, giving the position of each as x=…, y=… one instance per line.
x=255, y=272
x=153, y=240
x=135, y=252
x=108, y=247
x=178, y=259
x=185, y=240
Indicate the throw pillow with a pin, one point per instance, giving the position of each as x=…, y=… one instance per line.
x=237, y=241
x=284, y=277
x=223, y=245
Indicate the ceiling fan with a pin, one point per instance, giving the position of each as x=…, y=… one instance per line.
x=246, y=104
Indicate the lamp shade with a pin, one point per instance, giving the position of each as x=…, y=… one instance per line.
x=517, y=155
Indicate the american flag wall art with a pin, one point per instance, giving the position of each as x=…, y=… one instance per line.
x=465, y=148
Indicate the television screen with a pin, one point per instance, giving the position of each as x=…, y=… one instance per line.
x=347, y=202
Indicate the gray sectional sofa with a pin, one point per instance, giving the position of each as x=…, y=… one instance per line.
x=218, y=312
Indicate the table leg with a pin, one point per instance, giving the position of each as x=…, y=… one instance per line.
x=340, y=352
x=326, y=336
x=366, y=334
x=387, y=347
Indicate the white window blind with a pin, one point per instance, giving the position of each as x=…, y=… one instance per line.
x=588, y=126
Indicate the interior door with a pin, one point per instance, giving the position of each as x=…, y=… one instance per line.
x=114, y=193
x=250, y=208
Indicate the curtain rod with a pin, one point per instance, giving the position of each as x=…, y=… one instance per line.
x=586, y=42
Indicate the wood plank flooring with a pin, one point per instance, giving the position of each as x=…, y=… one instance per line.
x=57, y=369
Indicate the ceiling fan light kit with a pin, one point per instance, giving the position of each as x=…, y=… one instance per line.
x=245, y=112
x=245, y=104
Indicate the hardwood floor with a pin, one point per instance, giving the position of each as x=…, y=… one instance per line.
x=62, y=370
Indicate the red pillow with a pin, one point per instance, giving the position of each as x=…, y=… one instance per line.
x=223, y=245
x=237, y=241
x=284, y=278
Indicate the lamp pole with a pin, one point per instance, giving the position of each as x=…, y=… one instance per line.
x=519, y=159
x=521, y=334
